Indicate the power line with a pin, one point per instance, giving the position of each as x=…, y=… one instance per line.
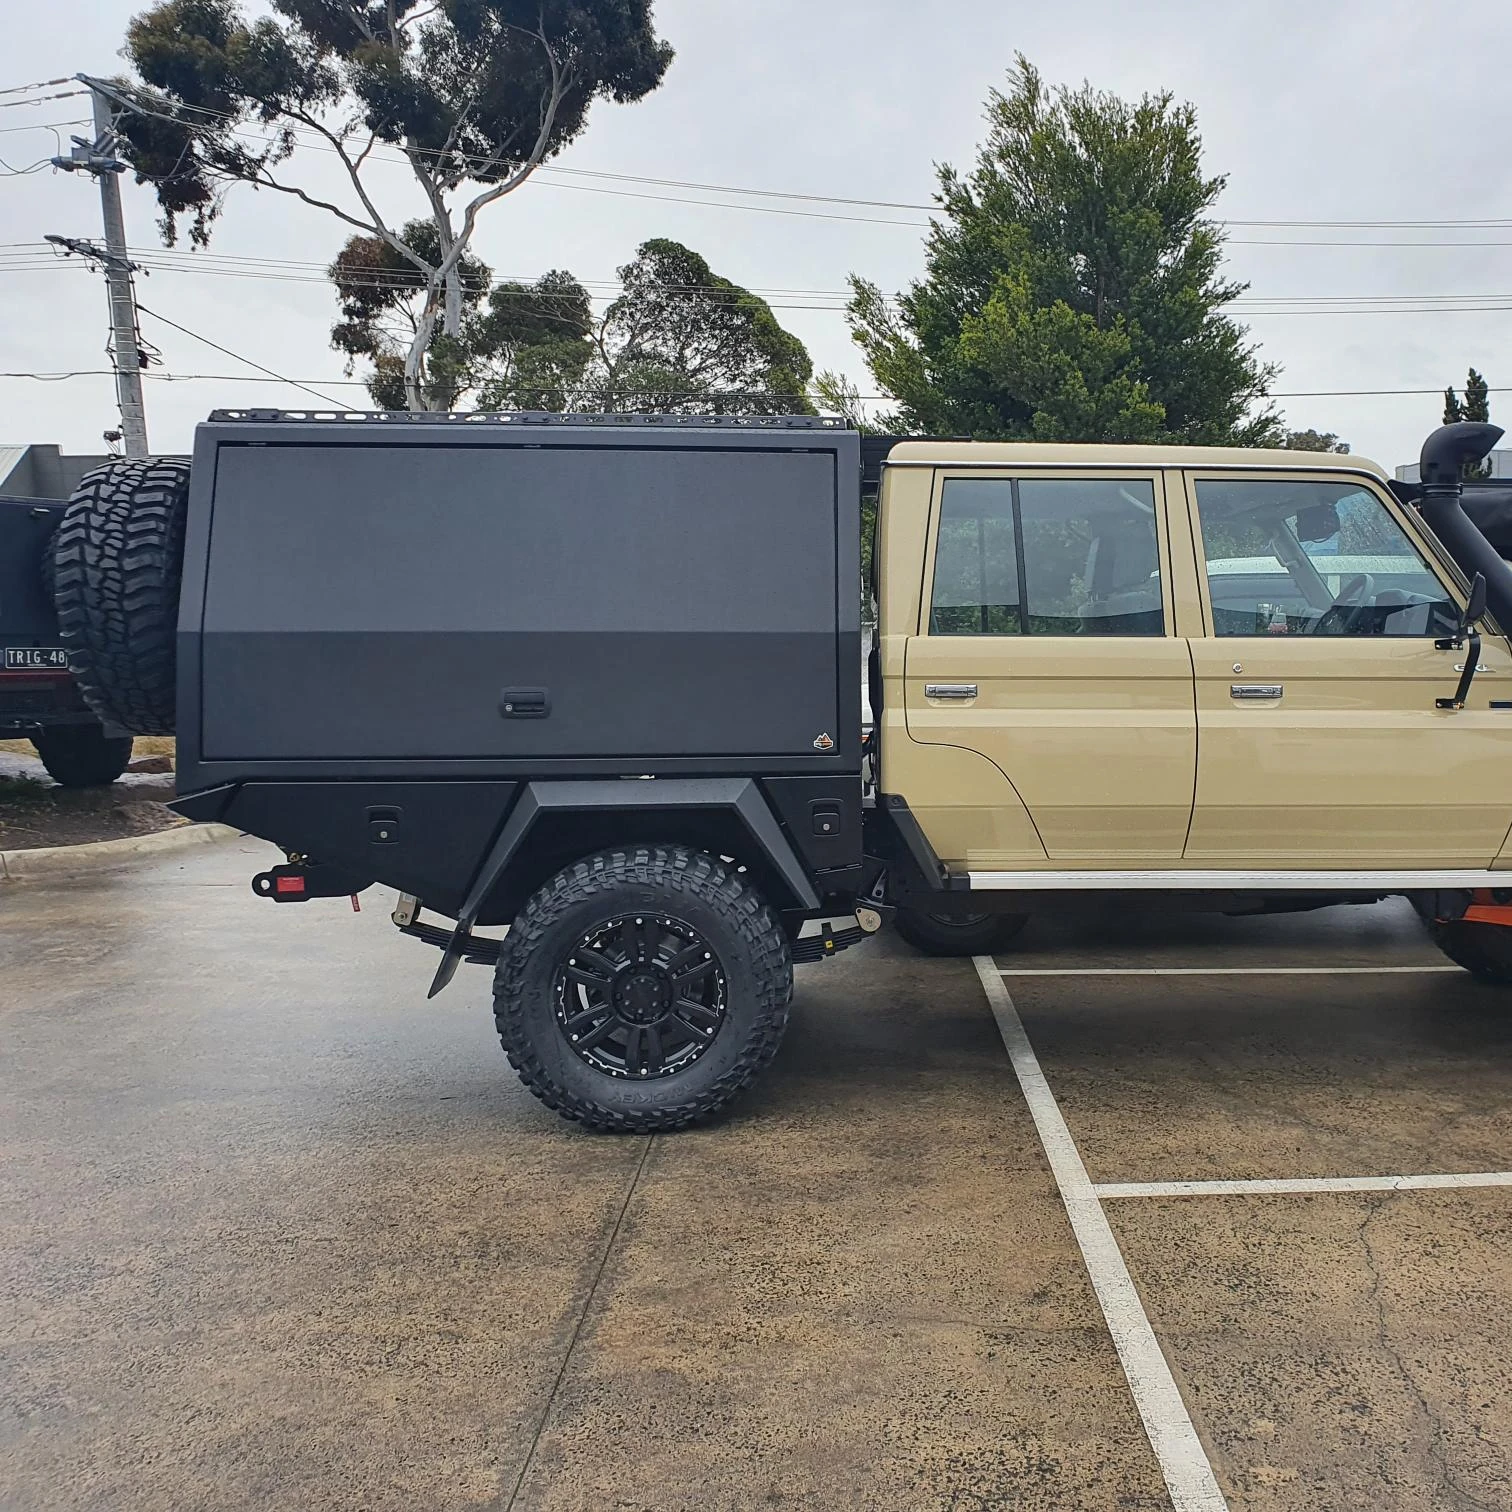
x=164, y=377
x=934, y=207
x=315, y=140
x=237, y=356
x=41, y=126
x=205, y=261
x=1235, y=241
x=28, y=88
x=67, y=94
x=247, y=267
x=672, y=199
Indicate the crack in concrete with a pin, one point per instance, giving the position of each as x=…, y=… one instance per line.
x=577, y=1329
x=1437, y=1448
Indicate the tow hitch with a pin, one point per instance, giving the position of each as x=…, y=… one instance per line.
x=301, y=879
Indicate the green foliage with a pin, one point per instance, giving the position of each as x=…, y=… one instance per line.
x=835, y=394
x=1475, y=406
x=382, y=295
x=1073, y=288
x=1477, y=401
x=534, y=344
x=459, y=86
x=469, y=91
x=1315, y=441
x=679, y=339
x=682, y=339
x=1477, y=398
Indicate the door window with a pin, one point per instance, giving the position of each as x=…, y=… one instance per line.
x=1047, y=556
x=1291, y=557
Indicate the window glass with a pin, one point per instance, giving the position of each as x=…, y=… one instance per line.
x=976, y=585
x=1051, y=556
x=1288, y=557
x=1091, y=561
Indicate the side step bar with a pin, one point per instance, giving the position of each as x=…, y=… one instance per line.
x=1389, y=881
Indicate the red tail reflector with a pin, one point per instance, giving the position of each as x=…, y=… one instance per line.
x=289, y=885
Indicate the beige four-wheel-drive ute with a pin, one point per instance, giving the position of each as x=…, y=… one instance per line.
x=597, y=680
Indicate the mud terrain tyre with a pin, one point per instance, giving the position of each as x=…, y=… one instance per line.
x=81, y=756
x=641, y=989
x=117, y=560
x=965, y=935
x=1484, y=950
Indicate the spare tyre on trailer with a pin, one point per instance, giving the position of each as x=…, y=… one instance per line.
x=117, y=560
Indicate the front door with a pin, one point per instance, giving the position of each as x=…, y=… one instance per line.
x=1047, y=646
x=1320, y=744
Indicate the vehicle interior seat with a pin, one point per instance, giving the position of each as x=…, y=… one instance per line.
x=1123, y=583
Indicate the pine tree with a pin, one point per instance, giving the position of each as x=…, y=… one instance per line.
x=1477, y=407
x=1073, y=287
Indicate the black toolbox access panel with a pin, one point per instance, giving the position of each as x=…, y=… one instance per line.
x=426, y=593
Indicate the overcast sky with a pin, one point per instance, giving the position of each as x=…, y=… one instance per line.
x=1316, y=110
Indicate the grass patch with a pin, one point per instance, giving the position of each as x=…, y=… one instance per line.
x=22, y=790
x=145, y=745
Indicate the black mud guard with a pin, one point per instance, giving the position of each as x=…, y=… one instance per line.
x=739, y=796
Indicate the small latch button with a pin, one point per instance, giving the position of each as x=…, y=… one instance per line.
x=825, y=819
x=383, y=826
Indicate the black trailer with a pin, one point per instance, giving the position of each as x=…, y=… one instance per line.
x=595, y=678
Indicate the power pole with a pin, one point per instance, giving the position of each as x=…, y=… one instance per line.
x=97, y=157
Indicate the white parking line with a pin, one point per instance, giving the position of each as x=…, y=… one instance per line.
x=1188, y=1475
x=1110, y=971
x=1303, y=1184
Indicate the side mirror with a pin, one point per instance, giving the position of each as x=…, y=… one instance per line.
x=1474, y=613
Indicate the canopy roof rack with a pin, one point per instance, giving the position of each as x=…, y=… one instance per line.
x=530, y=417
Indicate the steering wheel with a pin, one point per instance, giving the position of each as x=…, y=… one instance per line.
x=1356, y=595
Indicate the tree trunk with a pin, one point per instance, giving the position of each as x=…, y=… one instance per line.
x=415, y=398
x=452, y=314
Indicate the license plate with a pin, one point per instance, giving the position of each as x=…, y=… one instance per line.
x=36, y=659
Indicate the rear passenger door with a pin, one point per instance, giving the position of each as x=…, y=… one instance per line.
x=1046, y=643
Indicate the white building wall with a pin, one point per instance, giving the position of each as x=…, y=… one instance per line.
x=1501, y=467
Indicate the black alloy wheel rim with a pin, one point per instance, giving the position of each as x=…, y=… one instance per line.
x=640, y=997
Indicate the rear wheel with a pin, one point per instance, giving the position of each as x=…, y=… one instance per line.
x=1484, y=950
x=959, y=934
x=117, y=558
x=80, y=756
x=642, y=989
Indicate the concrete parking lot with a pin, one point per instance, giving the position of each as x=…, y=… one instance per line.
x=280, y=1234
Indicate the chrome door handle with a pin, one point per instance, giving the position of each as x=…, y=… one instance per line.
x=950, y=690
x=1256, y=690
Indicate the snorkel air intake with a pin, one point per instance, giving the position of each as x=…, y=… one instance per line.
x=1445, y=453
